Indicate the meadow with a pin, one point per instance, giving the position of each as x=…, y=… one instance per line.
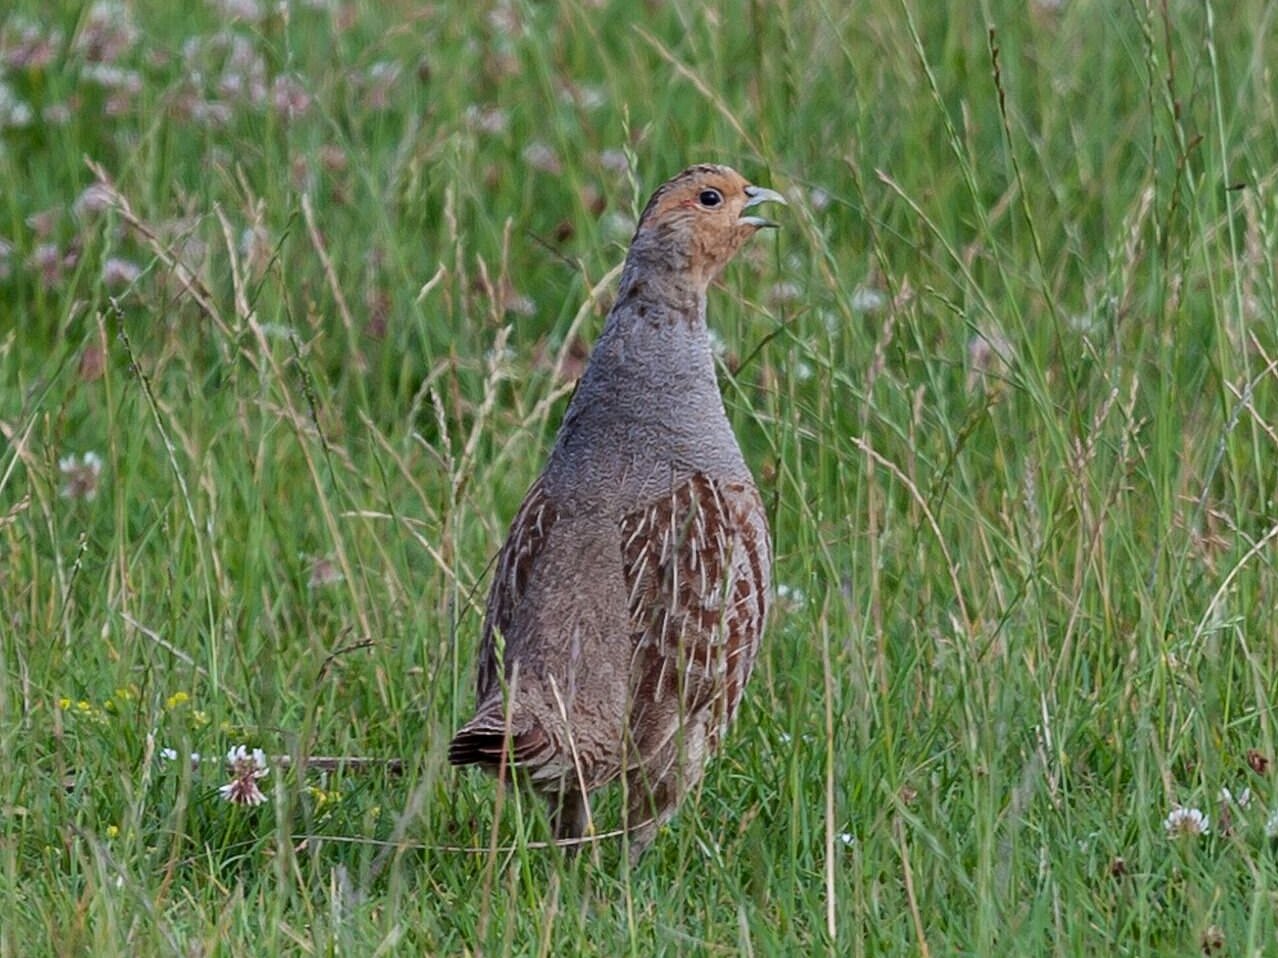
x=293, y=295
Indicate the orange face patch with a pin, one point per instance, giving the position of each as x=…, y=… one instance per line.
x=683, y=192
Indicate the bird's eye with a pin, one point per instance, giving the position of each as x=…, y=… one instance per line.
x=710, y=198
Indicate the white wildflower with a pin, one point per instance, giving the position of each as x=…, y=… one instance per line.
x=592, y=97
x=107, y=33
x=491, y=120
x=27, y=46
x=246, y=768
x=614, y=160
x=785, y=291
x=289, y=97
x=541, y=156
x=616, y=226
x=791, y=595
x=96, y=198
x=324, y=572
x=988, y=354
x=1241, y=800
x=379, y=82
x=111, y=77
x=1186, y=821
x=80, y=475
x=867, y=299
x=118, y=272
x=56, y=114
x=13, y=111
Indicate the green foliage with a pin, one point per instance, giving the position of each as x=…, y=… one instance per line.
x=310, y=280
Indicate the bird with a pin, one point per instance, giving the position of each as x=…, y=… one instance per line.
x=629, y=599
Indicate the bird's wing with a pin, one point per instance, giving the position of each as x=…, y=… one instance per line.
x=698, y=568
x=527, y=538
x=494, y=733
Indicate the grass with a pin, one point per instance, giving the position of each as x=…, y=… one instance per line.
x=1007, y=377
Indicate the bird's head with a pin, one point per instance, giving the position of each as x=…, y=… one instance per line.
x=696, y=222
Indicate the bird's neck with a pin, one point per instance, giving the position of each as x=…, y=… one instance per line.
x=654, y=351
x=662, y=272
x=648, y=406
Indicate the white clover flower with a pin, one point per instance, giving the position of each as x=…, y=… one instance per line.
x=112, y=77
x=592, y=97
x=521, y=305
x=785, y=291
x=289, y=97
x=80, y=476
x=491, y=120
x=614, y=161
x=867, y=299
x=1186, y=821
x=27, y=46
x=117, y=272
x=616, y=226
x=324, y=572
x=988, y=354
x=1241, y=800
x=246, y=767
x=96, y=198
x=791, y=595
x=541, y=156
x=13, y=111
x=108, y=32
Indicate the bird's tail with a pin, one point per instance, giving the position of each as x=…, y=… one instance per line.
x=493, y=738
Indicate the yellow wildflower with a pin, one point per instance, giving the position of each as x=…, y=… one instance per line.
x=175, y=700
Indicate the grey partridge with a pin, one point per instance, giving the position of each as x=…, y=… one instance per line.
x=629, y=598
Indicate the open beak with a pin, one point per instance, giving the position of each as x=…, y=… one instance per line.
x=756, y=195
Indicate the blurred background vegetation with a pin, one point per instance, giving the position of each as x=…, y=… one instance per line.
x=292, y=296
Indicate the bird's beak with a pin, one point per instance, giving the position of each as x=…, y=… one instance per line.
x=756, y=195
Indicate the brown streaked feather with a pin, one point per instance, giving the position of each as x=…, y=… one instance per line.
x=486, y=740
x=524, y=542
x=697, y=565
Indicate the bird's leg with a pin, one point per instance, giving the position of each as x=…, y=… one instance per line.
x=656, y=788
x=649, y=806
x=569, y=810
